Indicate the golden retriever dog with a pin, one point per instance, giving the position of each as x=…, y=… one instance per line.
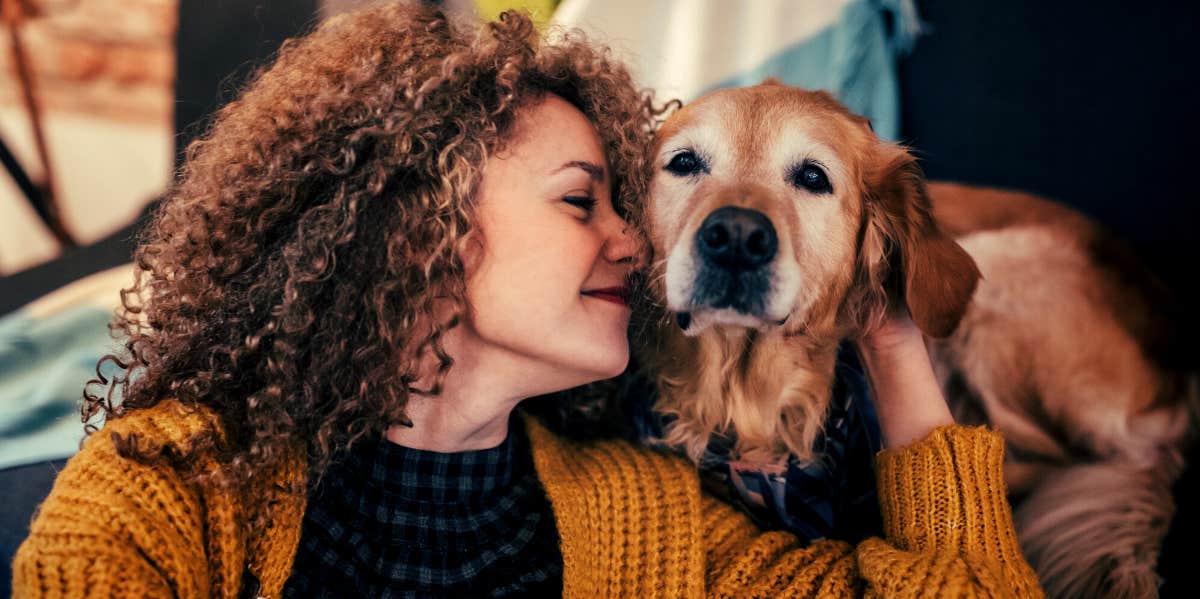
x=781, y=225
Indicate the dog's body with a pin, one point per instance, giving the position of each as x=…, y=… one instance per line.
x=781, y=226
x=1066, y=348
x=1057, y=348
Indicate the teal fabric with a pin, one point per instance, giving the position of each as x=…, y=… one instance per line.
x=854, y=59
x=44, y=364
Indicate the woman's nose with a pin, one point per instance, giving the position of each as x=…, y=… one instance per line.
x=626, y=245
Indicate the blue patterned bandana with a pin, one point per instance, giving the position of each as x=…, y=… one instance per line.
x=832, y=498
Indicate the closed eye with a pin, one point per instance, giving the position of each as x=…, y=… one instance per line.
x=587, y=203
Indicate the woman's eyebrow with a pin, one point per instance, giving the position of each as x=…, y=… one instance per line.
x=596, y=172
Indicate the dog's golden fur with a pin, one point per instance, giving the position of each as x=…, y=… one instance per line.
x=1077, y=370
x=877, y=245
x=1062, y=346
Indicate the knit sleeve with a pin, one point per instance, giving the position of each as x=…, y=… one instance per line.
x=112, y=527
x=948, y=528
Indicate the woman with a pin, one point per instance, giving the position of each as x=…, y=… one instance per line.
x=397, y=234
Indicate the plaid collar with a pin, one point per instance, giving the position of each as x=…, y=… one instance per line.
x=467, y=477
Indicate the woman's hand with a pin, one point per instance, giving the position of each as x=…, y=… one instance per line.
x=908, y=398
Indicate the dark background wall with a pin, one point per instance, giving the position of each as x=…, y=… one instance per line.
x=1094, y=103
x=219, y=44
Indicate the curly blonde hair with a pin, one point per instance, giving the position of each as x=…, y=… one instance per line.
x=287, y=281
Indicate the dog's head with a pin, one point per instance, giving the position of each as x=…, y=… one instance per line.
x=775, y=207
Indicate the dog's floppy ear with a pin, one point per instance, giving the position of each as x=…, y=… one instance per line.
x=907, y=258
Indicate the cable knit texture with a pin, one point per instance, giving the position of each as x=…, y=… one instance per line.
x=632, y=521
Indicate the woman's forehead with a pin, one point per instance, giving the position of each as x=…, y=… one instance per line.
x=555, y=130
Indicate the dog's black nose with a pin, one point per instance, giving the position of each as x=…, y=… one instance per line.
x=734, y=237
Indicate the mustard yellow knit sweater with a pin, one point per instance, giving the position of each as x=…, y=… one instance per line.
x=633, y=523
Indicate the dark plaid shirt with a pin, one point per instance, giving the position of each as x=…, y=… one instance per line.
x=389, y=521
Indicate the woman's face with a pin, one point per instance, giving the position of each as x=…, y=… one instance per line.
x=546, y=286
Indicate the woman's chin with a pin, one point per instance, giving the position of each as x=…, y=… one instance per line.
x=593, y=370
x=614, y=367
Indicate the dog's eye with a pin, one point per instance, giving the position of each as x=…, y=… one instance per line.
x=685, y=163
x=810, y=176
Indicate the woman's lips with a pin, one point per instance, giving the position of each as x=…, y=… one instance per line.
x=616, y=295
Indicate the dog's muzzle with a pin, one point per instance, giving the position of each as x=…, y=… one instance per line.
x=735, y=246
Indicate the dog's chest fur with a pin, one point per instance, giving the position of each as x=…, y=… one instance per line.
x=828, y=493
